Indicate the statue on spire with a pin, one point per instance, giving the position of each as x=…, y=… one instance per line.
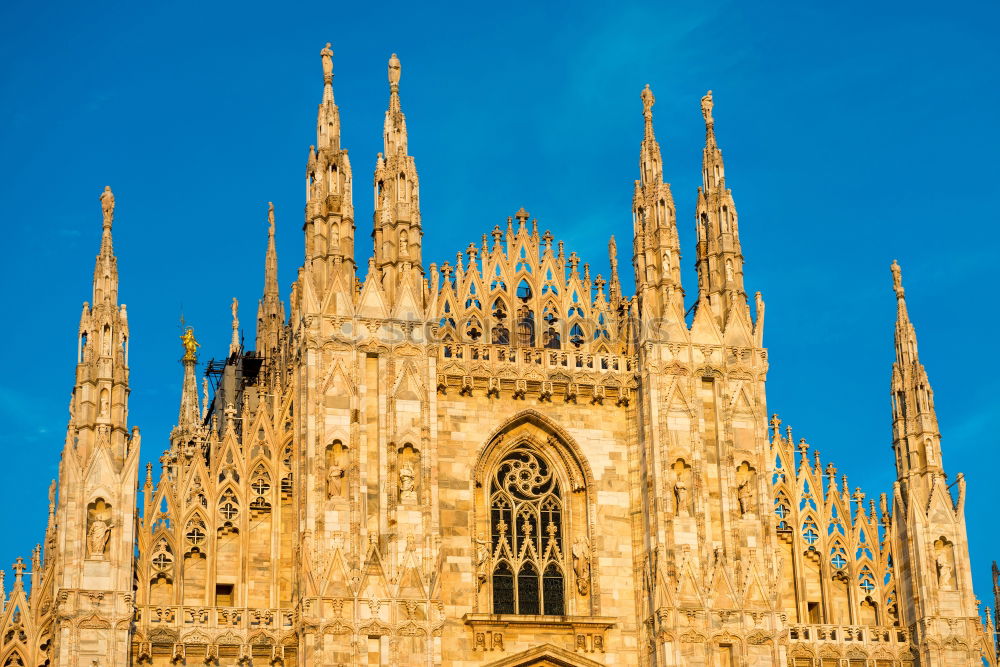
x=394, y=71
x=897, y=280
x=190, y=345
x=108, y=205
x=327, y=56
x=648, y=100
x=234, y=345
x=270, y=218
x=706, y=108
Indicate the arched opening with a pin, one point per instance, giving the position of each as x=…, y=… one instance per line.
x=408, y=462
x=532, y=512
x=526, y=517
x=525, y=327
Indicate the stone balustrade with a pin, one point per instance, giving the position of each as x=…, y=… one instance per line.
x=849, y=634
x=220, y=617
x=537, y=357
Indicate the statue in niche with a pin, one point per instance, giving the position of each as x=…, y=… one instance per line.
x=581, y=564
x=407, y=486
x=944, y=569
x=681, y=496
x=404, y=244
x=335, y=479
x=104, y=405
x=744, y=494
x=99, y=535
x=729, y=270
x=335, y=237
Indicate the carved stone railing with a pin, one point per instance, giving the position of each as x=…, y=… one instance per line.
x=588, y=634
x=849, y=634
x=538, y=358
x=242, y=618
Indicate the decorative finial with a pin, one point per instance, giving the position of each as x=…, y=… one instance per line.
x=108, y=206
x=190, y=345
x=648, y=100
x=270, y=218
x=706, y=108
x=394, y=71
x=897, y=280
x=327, y=57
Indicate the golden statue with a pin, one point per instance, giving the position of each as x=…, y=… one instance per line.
x=190, y=345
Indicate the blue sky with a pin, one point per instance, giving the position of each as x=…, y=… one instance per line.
x=854, y=133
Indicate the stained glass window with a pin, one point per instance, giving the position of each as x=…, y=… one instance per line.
x=526, y=536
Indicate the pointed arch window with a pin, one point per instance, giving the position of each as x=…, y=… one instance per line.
x=526, y=518
x=229, y=506
x=498, y=282
x=601, y=331
x=525, y=327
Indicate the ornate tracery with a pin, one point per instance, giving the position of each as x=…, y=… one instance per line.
x=526, y=517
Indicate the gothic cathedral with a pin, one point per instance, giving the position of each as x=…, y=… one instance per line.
x=503, y=461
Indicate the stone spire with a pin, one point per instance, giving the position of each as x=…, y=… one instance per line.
x=328, y=117
x=929, y=516
x=99, y=408
x=397, y=232
x=656, y=251
x=270, y=309
x=650, y=159
x=720, y=260
x=914, y=421
x=329, y=224
x=189, y=416
x=106, y=267
x=615, y=286
x=92, y=544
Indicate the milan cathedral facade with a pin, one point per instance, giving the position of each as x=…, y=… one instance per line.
x=501, y=461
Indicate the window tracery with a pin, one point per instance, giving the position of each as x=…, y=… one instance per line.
x=526, y=518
